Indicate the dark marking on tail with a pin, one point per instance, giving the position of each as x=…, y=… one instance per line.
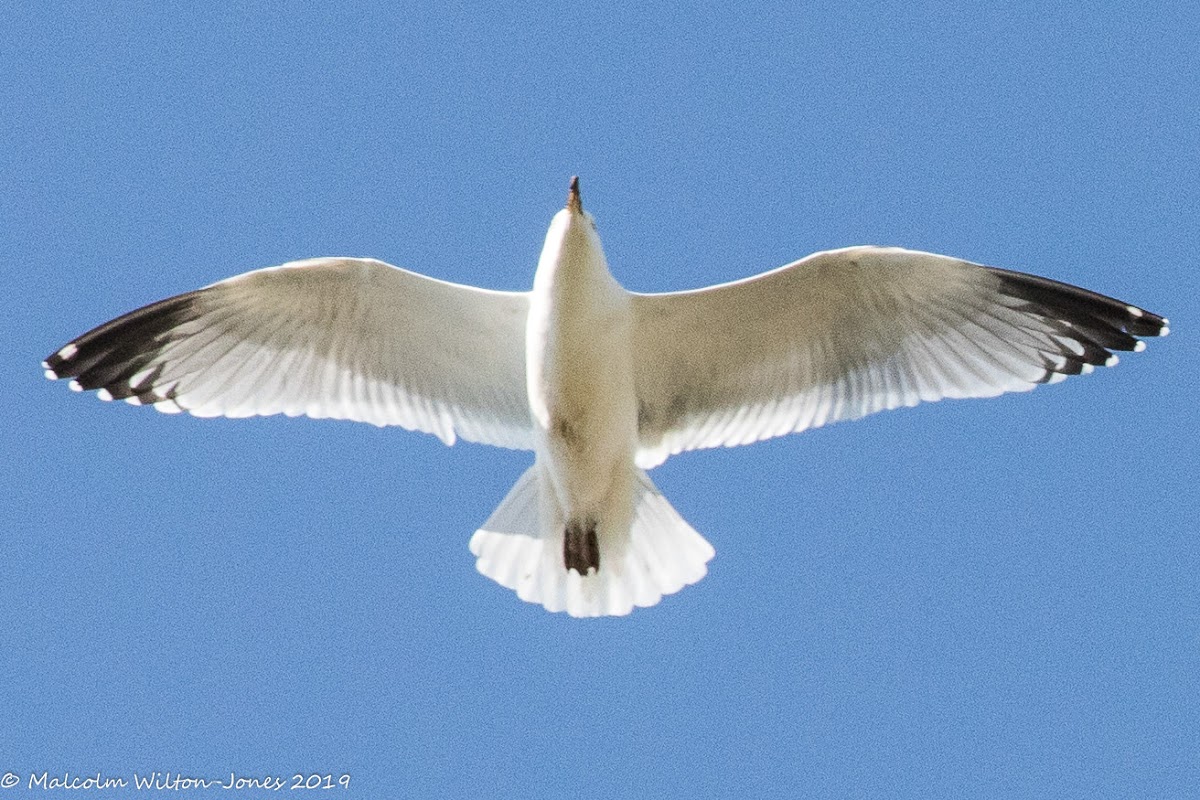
x=581, y=548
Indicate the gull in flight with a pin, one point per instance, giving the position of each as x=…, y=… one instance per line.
x=600, y=383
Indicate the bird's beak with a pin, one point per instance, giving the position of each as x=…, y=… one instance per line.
x=574, y=204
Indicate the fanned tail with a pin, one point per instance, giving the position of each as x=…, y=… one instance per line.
x=521, y=547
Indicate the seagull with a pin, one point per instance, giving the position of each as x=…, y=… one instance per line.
x=600, y=383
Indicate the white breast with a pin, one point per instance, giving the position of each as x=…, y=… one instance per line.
x=580, y=374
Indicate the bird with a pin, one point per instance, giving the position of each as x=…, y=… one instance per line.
x=601, y=383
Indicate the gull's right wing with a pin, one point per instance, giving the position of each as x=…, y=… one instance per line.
x=345, y=338
x=846, y=333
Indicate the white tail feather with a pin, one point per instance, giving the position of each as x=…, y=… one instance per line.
x=521, y=547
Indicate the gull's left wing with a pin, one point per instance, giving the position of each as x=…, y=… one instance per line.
x=845, y=333
x=346, y=338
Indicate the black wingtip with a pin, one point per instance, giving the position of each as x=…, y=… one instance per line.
x=1093, y=323
x=1084, y=304
x=109, y=356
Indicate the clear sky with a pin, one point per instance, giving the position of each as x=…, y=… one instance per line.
x=969, y=599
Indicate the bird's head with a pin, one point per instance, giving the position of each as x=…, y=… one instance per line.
x=572, y=238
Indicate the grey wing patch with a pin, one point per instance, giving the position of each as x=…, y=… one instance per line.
x=121, y=358
x=682, y=402
x=645, y=417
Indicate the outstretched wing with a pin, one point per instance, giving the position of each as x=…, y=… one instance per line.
x=344, y=338
x=846, y=333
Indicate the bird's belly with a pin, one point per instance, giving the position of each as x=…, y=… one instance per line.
x=586, y=414
x=590, y=434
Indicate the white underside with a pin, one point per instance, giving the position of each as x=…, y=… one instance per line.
x=599, y=382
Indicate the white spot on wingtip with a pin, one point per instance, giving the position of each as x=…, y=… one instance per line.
x=1134, y=311
x=51, y=374
x=68, y=351
x=1165, y=330
x=1086, y=369
x=134, y=400
x=1139, y=347
x=105, y=395
x=75, y=387
x=1113, y=360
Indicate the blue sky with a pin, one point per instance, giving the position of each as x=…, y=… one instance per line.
x=970, y=599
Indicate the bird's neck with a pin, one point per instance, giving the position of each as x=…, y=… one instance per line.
x=572, y=264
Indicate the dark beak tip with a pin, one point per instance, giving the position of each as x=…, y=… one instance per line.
x=573, y=200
